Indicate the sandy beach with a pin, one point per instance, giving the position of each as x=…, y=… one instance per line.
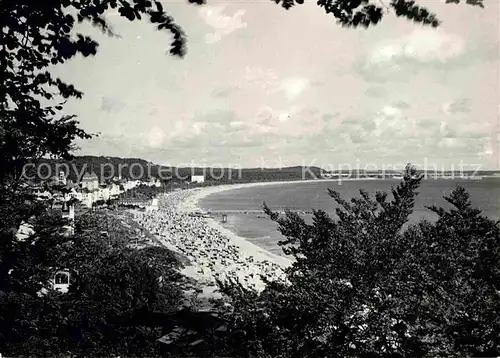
x=214, y=252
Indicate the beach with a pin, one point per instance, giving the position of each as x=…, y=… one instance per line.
x=214, y=252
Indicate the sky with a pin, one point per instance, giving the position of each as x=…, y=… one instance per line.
x=262, y=86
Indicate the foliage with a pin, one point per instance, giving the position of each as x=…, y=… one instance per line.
x=36, y=35
x=363, y=286
x=145, y=192
x=110, y=284
x=40, y=34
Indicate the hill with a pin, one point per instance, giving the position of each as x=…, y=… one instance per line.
x=140, y=169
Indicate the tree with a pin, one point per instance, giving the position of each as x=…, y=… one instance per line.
x=34, y=36
x=113, y=290
x=363, y=285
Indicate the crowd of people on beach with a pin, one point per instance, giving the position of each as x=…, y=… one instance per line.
x=211, y=254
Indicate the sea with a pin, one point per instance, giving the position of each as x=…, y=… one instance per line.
x=260, y=230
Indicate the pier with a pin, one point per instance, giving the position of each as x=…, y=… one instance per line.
x=261, y=212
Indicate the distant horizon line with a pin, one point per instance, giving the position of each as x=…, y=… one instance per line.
x=350, y=168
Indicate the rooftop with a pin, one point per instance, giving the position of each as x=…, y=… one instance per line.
x=88, y=176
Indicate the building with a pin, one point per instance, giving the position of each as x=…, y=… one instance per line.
x=114, y=190
x=130, y=184
x=104, y=192
x=153, y=182
x=42, y=194
x=68, y=213
x=197, y=179
x=153, y=205
x=61, y=281
x=25, y=230
x=90, y=181
x=62, y=178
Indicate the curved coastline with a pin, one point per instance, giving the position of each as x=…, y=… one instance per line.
x=191, y=204
x=213, y=251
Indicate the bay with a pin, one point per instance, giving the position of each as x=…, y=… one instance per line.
x=260, y=230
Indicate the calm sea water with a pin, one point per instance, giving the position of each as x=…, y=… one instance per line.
x=485, y=194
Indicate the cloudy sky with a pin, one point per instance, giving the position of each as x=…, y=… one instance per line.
x=264, y=86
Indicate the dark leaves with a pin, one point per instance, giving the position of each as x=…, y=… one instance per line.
x=479, y=3
x=286, y=4
x=127, y=11
x=159, y=6
x=354, y=13
x=408, y=9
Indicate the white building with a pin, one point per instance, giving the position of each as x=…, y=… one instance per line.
x=88, y=197
x=90, y=181
x=153, y=182
x=197, y=179
x=153, y=205
x=43, y=194
x=131, y=184
x=62, y=178
x=61, y=281
x=25, y=231
x=68, y=213
x=114, y=190
x=104, y=193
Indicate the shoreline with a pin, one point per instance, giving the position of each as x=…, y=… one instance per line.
x=212, y=251
x=190, y=204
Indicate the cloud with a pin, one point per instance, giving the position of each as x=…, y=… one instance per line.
x=486, y=150
x=390, y=111
x=318, y=83
x=422, y=45
x=294, y=86
x=352, y=120
x=459, y=106
x=401, y=105
x=389, y=121
x=329, y=116
x=156, y=137
x=424, y=48
x=238, y=125
x=291, y=122
x=218, y=116
x=271, y=115
x=110, y=103
x=223, y=92
x=376, y=92
x=222, y=23
x=269, y=82
x=220, y=129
